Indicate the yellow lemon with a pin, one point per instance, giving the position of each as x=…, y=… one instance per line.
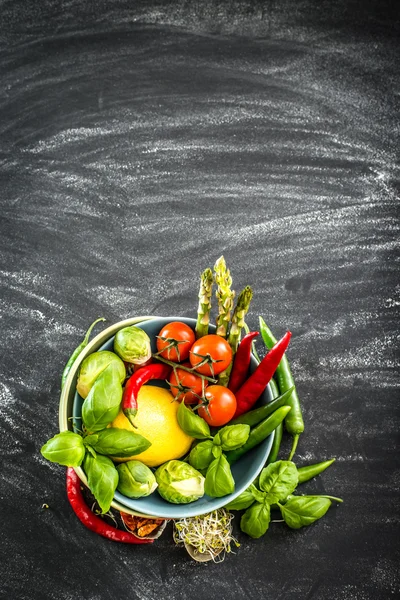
x=156, y=421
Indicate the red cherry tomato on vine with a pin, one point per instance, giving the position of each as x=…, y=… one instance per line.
x=185, y=386
x=175, y=340
x=213, y=351
x=221, y=406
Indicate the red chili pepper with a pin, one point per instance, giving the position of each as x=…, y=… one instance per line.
x=241, y=362
x=252, y=389
x=135, y=382
x=92, y=521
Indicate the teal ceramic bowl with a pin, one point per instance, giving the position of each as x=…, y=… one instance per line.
x=244, y=471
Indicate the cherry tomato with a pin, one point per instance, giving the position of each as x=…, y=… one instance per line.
x=212, y=350
x=186, y=386
x=175, y=340
x=221, y=405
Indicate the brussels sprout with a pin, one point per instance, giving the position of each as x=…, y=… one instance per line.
x=132, y=344
x=93, y=365
x=179, y=483
x=135, y=479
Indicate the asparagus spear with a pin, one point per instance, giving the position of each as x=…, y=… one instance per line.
x=238, y=322
x=224, y=295
x=203, y=311
x=241, y=308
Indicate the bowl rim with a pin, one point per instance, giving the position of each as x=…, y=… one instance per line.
x=68, y=394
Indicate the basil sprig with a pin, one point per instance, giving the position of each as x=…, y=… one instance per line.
x=102, y=479
x=120, y=443
x=279, y=480
x=102, y=404
x=192, y=424
x=232, y=437
x=300, y=511
x=219, y=480
x=209, y=455
x=65, y=448
x=276, y=485
x=256, y=519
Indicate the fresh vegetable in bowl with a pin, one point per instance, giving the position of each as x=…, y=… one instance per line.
x=132, y=344
x=173, y=417
x=179, y=482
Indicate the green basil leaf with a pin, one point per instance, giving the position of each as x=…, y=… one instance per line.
x=118, y=442
x=233, y=437
x=256, y=519
x=259, y=496
x=279, y=480
x=192, y=424
x=91, y=451
x=216, y=451
x=201, y=455
x=217, y=440
x=300, y=511
x=102, y=479
x=244, y=500
x=89, y=440
x=102, y=404
x=65, y=448
x=219, y=481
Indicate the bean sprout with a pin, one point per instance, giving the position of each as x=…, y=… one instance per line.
x=210, y=533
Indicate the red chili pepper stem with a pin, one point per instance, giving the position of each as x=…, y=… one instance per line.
x=241, y=362
x=254, y=386
x=92, y=521
x=135, y=382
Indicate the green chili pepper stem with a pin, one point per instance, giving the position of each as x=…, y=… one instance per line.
x=294, y=422
x=308, y=472
x=259, y=433
x=77, y=351
x=294, y=446
x=253, y=417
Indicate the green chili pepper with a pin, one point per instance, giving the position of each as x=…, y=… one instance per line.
x=253, y=417
x=294, y=421
x=276, y=444
x=259, y=433
x=310, y=471
x=77, y=352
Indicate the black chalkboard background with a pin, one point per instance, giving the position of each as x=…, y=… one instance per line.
x=138, y=143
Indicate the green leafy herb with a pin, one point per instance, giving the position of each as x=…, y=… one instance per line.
x=103, y=401
x=102, y=479
x=300, y=511
x=201, y=455
x=117, y=442
x=256, y=519
x=216, y=451
x=219, y=481
x=192, y=424
x=244, y=500
x=65, y=448
x=232, y=437
x=279, y=479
